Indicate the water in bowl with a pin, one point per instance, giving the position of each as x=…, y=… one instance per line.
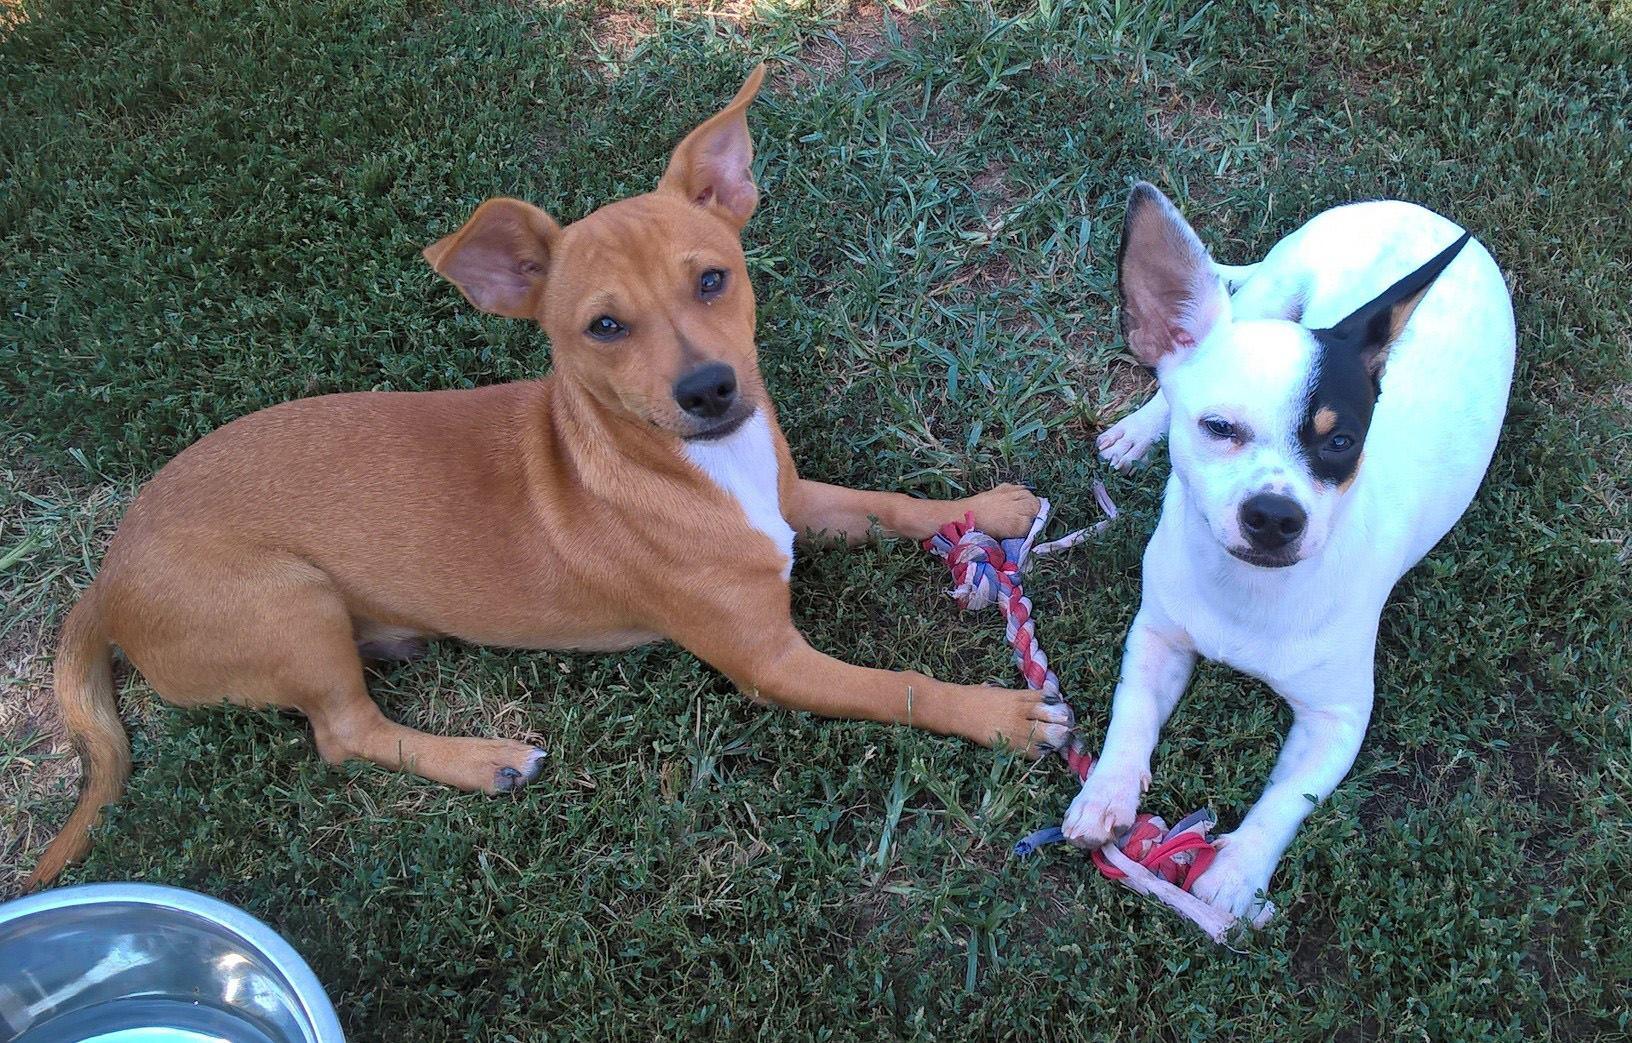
x=148, y=1019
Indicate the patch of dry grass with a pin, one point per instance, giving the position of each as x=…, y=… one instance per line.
x=51, y=530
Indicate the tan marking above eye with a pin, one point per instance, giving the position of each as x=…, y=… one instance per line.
x=1325, y=420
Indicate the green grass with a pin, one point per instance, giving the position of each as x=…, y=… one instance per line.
x=206, y=209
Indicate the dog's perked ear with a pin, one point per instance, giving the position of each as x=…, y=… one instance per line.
x=1373, y=327
x=712, y=167
x=499, y=259
x=1171, y=295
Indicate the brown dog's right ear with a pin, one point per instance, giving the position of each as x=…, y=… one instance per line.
x=713, y=166
x=499, y=259
x=1171, y=294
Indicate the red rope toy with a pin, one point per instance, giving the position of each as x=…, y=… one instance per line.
x=1149, y=858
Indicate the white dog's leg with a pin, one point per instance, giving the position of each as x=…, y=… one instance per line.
x=1155, y=669
x=1320, y=748
x=1126, y=443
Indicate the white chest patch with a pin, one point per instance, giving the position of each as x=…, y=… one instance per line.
x=744, y=465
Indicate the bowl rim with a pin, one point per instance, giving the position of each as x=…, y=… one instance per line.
x=308, y=991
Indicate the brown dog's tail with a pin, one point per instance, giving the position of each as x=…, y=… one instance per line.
x=84, y=684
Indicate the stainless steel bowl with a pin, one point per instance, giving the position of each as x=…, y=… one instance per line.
x=121, y=963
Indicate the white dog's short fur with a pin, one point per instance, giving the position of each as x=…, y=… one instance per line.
x=1242, y=372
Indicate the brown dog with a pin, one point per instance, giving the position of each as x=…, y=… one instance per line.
x=640, y=491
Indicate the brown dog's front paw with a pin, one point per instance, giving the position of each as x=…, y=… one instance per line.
x=518, y=765
x=1022, y=721
x=1003, y=512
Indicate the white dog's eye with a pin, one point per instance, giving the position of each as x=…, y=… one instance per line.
x=1339, y=444
x=1218, y=427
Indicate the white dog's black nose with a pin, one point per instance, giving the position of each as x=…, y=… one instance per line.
x=707, y=391
x=1271, y=521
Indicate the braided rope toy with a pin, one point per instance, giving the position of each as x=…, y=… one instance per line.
x=1148, y=858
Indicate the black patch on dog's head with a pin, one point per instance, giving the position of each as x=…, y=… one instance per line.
x=1337, y=414
x=1348, y=368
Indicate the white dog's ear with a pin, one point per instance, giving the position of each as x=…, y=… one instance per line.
x=1372, y=329
x=1171, y=294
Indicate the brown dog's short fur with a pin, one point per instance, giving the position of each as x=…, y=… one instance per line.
x=560, y=513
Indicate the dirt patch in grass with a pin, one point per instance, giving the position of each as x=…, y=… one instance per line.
x=1131, y=386
x=42, y=773
x=1235, y=136
x=996, y=192
x=860, y=35
x=1538, y=776
x=11, y=15
x=1111, y=389
x=991, y=270
x=1554, y=950
x=1182, y=116
x=616, y=34
x=47, y=526
x=1316, y=957
x=1424, y=777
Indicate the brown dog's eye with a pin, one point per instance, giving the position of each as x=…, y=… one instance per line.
x=710, y=283
x=606, y=328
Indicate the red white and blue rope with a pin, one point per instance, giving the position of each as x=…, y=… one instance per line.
x=986, y=571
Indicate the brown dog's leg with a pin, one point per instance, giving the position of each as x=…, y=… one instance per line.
x=848, y=514
x=780, y=667
x=347, y=724
x=276, y=633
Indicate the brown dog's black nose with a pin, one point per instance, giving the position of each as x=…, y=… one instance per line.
x=1271, y=521
x=707, y=391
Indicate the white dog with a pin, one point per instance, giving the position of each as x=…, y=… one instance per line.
x=1331, y=411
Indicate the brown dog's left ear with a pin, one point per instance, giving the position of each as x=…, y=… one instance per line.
x=713, y=166
x=499, y=259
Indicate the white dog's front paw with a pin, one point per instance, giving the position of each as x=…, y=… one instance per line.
x=1126, y=443
x=1105, y=806
x=1236, y=879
